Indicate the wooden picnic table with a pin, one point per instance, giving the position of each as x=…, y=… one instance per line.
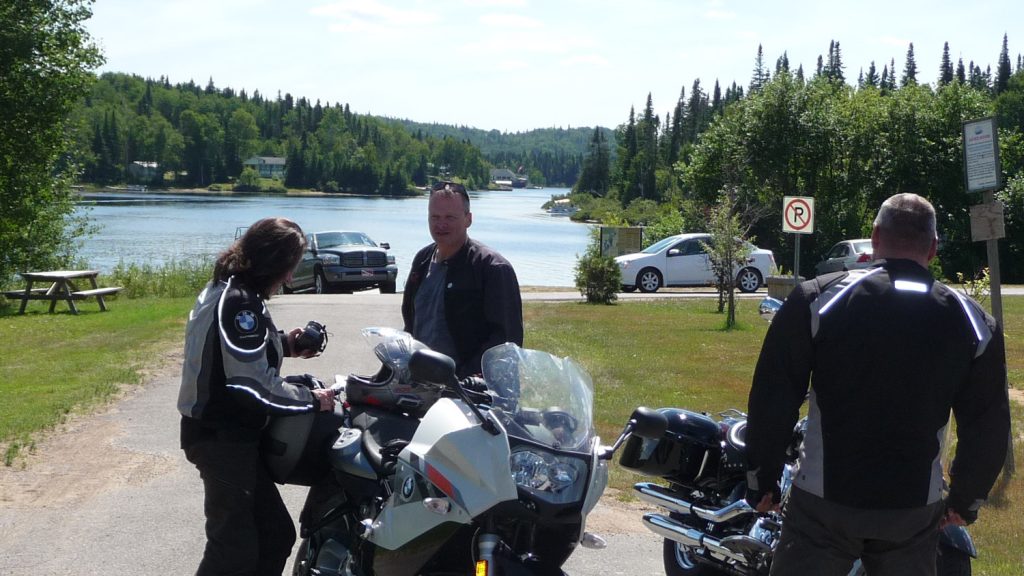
x=61, y=287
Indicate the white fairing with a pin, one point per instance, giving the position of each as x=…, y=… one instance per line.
x=468, y=466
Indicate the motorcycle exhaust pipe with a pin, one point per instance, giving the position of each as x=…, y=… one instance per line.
x=664, y=497
x=672, y=530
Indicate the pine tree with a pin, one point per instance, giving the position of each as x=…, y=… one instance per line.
x=909, y=68
x=800, y=73
x=1003, y=70
x=883, y=84
x=676, y=134
x=826, y=69
x=821, y=68
x=945, y=67
x=594, y=174
x=835, y=64
x=782, y=64
x=648, y=135
x=760, y=76
x=961, y=77
x=871, y=79
x=696, y=112
x=716, y=98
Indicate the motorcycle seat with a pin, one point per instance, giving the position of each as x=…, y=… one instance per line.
x=384, y=432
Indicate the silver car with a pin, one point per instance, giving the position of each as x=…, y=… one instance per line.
x=846, y=255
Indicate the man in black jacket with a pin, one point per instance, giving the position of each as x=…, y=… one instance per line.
x=886, y=353
x=461, y=297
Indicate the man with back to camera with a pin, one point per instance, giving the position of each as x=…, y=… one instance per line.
x=461, y=297
x=887, y=351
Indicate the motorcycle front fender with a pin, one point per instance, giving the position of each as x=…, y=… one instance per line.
x=958, y=538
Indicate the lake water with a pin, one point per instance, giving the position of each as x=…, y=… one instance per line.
x=157, y=227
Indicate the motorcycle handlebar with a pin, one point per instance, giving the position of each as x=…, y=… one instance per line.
x=474, y=383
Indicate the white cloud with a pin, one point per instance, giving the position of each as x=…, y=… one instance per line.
x=720, y=15
x=495, y=3
x=894, y=41
x=510, y=21
x=585, y=60
x=359, y=15
x=513, y=65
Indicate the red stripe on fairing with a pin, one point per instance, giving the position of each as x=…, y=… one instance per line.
x=440, y=481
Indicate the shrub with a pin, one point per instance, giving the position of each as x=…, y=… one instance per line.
x=173, y=279
x=598, y=277
x=249, y=181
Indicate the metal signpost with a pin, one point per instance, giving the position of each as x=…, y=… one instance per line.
x=982, y=173
x=797, y=218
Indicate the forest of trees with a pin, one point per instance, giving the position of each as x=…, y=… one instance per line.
x=549, y=156
x=848, y=145
x=203, y=134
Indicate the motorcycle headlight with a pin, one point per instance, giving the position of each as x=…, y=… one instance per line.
x=554, y=478
x=330, y=259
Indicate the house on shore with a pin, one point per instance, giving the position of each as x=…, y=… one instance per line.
x=505, y=178
x=267, y=166
x=143, y=171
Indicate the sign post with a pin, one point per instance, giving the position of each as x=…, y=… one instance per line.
x=982, y=174
x=797, y=218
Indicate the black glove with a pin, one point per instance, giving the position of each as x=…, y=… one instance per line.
x=753, y=496
x=968, y=511
x=307, y=380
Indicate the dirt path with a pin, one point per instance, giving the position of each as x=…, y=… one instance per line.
x=87, y=456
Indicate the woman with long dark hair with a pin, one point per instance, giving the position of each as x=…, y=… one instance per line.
x=230, y=387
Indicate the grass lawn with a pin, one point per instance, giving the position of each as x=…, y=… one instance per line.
x=675, y=353
x=659, y=353
x=56, y=363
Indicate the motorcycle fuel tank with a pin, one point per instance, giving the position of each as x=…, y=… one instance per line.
x=690, y=448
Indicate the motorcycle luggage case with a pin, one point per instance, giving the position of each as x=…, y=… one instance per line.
x=690, y=448
x=295, y=448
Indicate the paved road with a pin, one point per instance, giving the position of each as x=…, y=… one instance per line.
x=111, y=493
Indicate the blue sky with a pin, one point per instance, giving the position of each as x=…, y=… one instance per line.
x=515, y=65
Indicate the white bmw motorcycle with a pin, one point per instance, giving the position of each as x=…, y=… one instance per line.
x=420, y=473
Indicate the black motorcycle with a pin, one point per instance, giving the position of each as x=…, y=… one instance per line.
x=709, y=528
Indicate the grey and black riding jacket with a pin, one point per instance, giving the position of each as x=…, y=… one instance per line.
x=230, y=379
x=886, y=353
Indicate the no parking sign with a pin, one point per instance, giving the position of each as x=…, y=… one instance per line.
x=798, y=214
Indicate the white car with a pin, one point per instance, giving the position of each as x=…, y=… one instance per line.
x=846, y=255
x=682, y=261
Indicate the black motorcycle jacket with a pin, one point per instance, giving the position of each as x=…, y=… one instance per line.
x=230, y=377
x=886, y=353
x=482, y=303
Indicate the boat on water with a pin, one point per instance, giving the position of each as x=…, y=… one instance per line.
x=563, y=207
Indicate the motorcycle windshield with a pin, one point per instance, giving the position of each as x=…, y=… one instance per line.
x=550, y=400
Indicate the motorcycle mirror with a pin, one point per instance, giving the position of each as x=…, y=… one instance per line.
x=432, y=367
x=769, y=306
x=648, y=423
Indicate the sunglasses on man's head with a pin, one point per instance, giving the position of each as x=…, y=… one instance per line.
x=450, y=187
